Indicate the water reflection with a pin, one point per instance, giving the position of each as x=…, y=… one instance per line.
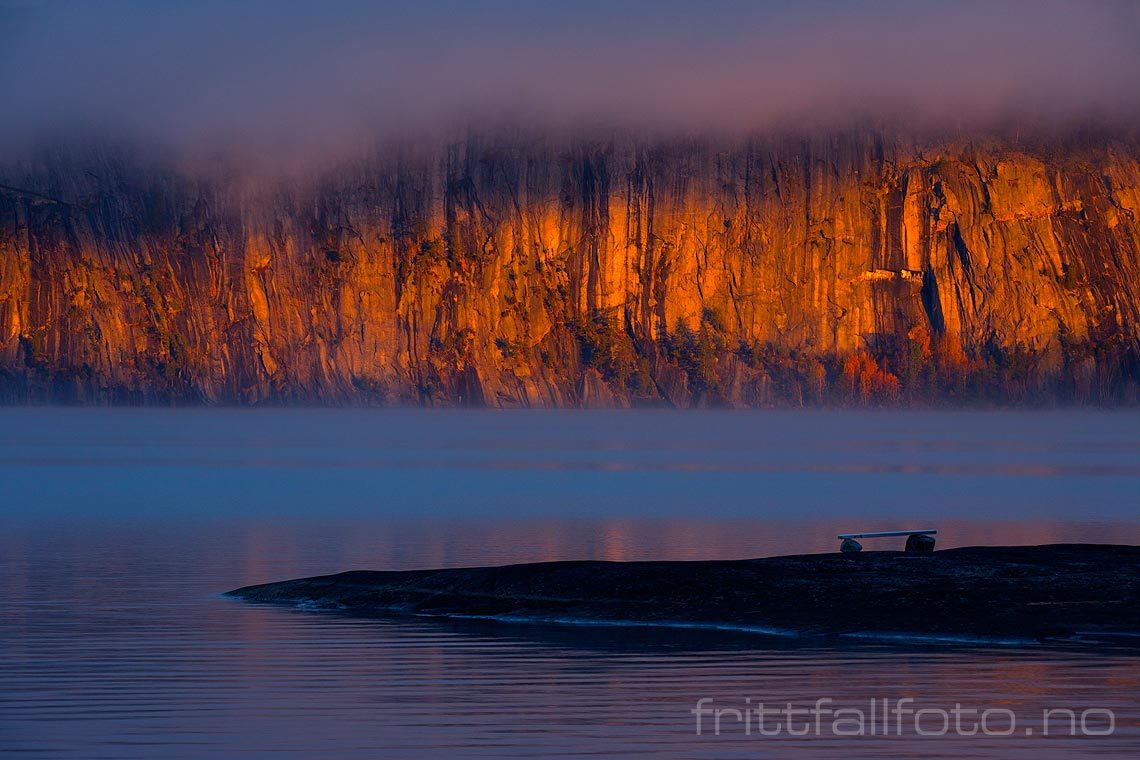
x=115, y=644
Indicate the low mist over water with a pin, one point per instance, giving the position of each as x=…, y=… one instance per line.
x=858, y=467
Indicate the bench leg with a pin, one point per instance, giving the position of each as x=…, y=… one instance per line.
x=850, y=546
x=916, y=543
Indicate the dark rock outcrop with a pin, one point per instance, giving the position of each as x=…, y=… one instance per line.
x=1074, y=591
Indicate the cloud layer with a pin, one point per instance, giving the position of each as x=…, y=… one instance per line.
x=300, y=76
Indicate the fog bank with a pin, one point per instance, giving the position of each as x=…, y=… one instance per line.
x=308, y=77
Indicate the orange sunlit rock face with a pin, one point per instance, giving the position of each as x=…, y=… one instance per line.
x=849, y=268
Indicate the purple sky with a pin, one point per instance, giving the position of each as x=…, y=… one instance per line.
x=306, y=75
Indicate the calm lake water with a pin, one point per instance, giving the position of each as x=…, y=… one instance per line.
x=120, y=528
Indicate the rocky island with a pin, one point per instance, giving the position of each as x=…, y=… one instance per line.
x=1078, y=593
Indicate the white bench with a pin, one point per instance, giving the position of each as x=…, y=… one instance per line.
x=917, y=541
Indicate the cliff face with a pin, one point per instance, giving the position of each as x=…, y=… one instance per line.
x=848, y=268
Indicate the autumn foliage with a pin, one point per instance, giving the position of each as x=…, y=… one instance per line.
x=865, y=381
